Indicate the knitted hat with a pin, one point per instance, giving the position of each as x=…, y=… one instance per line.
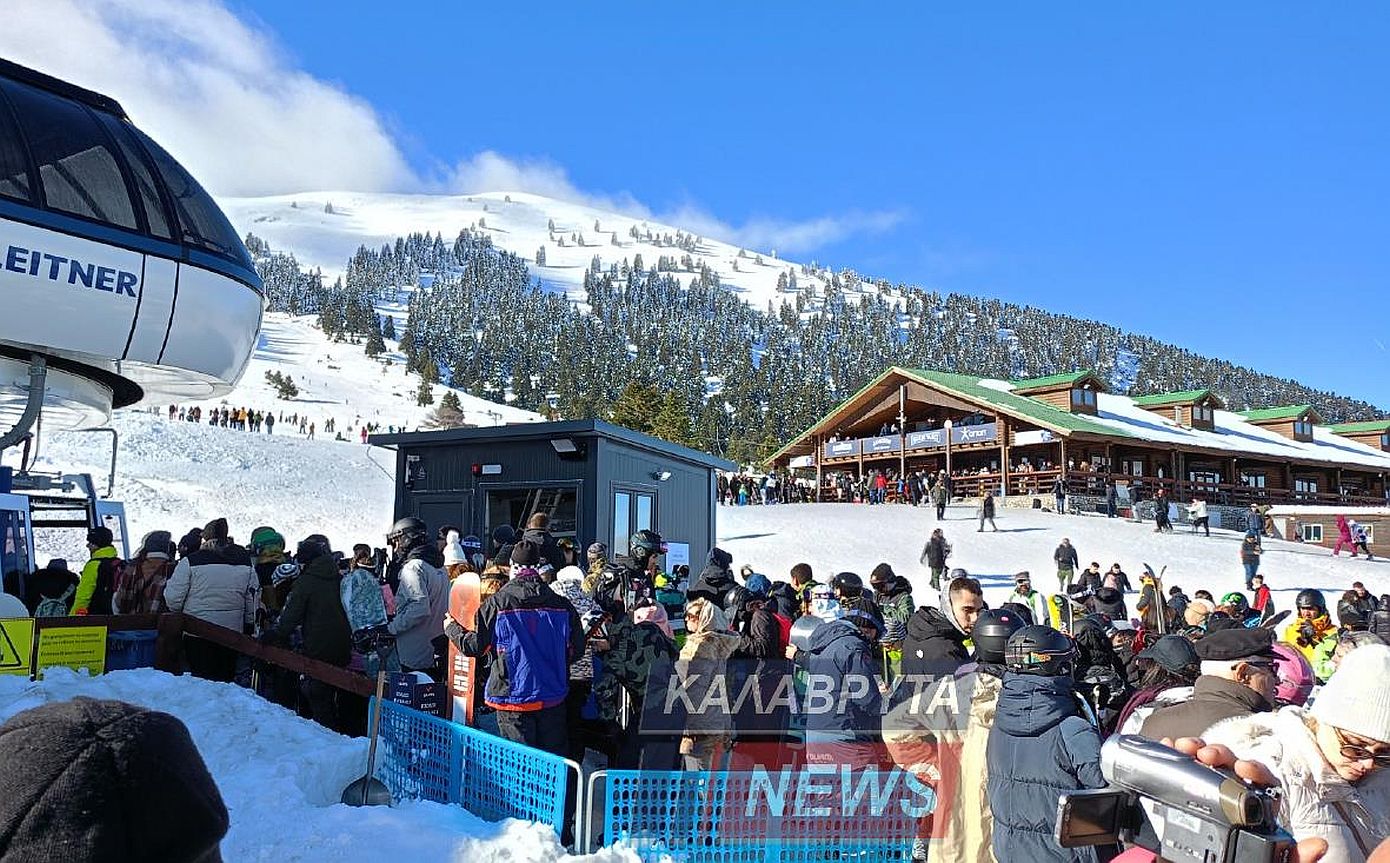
x=1196, y=612
x=597, y=551
x=100, y=537
x=1356, y=697
x=526, y=553
x=106, y=781
x=453, y=549
x=216, y=530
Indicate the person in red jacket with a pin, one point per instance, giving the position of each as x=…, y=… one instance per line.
x=1262, y=598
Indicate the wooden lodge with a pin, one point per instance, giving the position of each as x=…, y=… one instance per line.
x=1018, y=437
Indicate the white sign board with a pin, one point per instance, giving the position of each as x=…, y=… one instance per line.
x=677, y=554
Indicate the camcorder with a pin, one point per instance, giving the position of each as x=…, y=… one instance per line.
x=1170, y=804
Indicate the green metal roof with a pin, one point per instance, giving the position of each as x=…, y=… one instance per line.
x=1283, y=412
x=1053, y=380
x=1364, y=426
x=1170, y=398
x=1033, y=409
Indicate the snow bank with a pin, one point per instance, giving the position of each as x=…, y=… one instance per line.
x=281, y=778
x=835, y=537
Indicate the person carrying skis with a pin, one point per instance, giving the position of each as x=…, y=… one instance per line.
x=1067, y=561
x=1151, y=607
x=934, y=555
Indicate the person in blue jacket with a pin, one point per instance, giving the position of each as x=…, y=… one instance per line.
x=1039, y=748
x=843, y=726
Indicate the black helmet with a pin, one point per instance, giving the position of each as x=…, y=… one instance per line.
x=644, y=544
x=847, y=584
x=409, y=531
x=1021, y=611
x=1039, y=650
x=992, y=630
x=311, y=548
x=503, y=535
x=1309, y=598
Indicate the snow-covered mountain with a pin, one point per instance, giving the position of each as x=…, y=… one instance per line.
x=323, y=229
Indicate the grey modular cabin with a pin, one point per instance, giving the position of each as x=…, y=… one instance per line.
x=595, y=480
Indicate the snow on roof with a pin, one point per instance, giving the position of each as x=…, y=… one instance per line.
x=1329, y=511
x=1182, y=397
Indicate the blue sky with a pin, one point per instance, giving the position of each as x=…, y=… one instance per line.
x=1216, y=175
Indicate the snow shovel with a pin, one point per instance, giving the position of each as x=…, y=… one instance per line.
x=370, y=791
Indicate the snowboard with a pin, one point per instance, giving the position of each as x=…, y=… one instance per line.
x=462, y=676
x=365, y=608
x=1273, y=622
x=1159, y=598
x=1061, y=612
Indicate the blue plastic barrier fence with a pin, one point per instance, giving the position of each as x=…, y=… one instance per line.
x=424, y=757
x=504, y=779
x=419, y=756
x=738, y=817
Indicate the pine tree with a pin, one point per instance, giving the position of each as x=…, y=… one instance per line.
x=388, y=327
x=424, y=394
x=672, y=420
x=284, y=385
x=540, y=256
x=636, y=407
x=448, y=415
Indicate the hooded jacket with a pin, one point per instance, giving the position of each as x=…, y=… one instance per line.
x=569, y=583
x=88, y=600
x=551, y=552
x=422, y=600
x=1316, y=802
x=533, y=635
x=934, y=644
x=1214, y=699
x=935, y=552
x=703, y=661
x=1111, y=603
x=785, y=600
x=216, y=583
x=842, y=660
x=315, y=604
x=142, y=589
x=1038, y=749
x=895, y=601
x=713, y=582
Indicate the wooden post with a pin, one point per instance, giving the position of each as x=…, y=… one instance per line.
x=1003, y=425
x=820, y=469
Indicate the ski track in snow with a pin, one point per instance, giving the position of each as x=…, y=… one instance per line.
x=282, y=777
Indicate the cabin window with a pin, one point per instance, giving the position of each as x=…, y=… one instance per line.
x=1083, y=397
x=1132, y=467
x=1252, y=479
x=1302, y=428
x=1385, y=441
x=1204, y=477
x=14, y=165
x=203, y=224
x=144, y=180
x=77, y=171
x=1305, y=485
x=1203, y=414
x=1311, y=532
x=1370, y=533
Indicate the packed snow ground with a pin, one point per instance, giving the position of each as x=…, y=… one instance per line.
x=834, y=537
x=282, y=778
x=300, y=224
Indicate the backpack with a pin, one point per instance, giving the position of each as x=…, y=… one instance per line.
x=110, y=572
x=784, y=630
x=55, y=606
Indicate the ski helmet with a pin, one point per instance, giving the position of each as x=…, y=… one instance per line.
x=311, y=548
x=1236, y=601
x=645, y=544
x=1039, y=650
x=409, y=531
x=759, y=586
x=991, y=633
x=1019, y=610
x=847, y=584
x=1296, y=679
x=735, y=600
x=1309, y=598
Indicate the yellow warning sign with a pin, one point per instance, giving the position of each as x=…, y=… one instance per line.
x=16, y=645
x=72, y=646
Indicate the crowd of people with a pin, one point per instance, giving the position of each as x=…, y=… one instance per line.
x=258, y=421
x=573, y=641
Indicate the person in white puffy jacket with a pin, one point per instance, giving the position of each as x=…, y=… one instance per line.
x=1332, y=760
x=216, y=583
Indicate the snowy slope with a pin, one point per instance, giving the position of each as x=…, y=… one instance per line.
x=281, y=778
x=837, y=537
x=341, y=381
x=299, y=224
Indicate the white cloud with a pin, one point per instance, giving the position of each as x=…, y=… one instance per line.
x=219, y=94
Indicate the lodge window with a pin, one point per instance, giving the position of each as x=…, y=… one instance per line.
x=1370, y=533
x=1385, y=441
x=1203, y=415
x=1311, y=532
x=1203, y=477
x=1305, y=485
x=1303, y=429
x=1252, y=479
x=1082, y=397
x=1132, y=467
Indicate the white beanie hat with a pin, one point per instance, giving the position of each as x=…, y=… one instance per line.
x=570, y=572
x=1357, y=695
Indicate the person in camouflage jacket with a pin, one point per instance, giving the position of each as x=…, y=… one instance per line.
x=633, y=652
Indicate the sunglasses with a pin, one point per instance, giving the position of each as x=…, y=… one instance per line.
x=1353, y=752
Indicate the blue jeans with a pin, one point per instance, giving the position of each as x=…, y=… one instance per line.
x=1250, y=570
